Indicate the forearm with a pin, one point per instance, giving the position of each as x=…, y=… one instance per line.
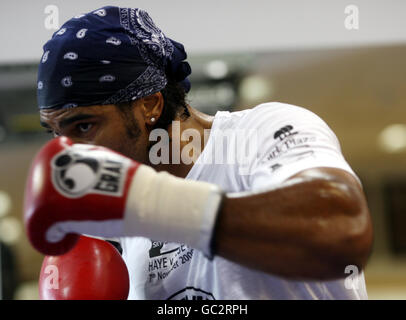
x=311, y=226
x=308, y=229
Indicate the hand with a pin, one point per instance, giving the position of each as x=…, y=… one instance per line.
x=75, y=188
x=83, y=189
x=92, y=270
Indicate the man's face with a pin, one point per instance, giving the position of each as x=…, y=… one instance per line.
x=101, y=125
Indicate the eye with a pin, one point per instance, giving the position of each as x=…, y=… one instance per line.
x=84, y=127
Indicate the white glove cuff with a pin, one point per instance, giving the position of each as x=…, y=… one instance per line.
x=163, y=207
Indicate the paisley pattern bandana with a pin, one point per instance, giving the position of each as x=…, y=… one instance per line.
x=108, y=56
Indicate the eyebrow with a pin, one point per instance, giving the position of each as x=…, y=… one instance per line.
x=67, y=121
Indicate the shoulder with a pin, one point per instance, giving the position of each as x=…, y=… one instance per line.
x=265, y=113
x=277, y=112
x=270, y=120
x=271, y=117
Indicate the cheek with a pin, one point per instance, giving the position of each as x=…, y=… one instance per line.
x=131, y=147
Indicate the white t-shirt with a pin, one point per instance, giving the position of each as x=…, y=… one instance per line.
x=249, y=150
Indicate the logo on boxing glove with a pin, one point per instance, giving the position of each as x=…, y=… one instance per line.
x=75, y=172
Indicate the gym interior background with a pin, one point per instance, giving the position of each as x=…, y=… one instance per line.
x=242, y=53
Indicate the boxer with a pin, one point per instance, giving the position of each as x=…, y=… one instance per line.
x=281, y=221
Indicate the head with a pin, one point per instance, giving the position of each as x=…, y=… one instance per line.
x=124, y=127
x=110, y=77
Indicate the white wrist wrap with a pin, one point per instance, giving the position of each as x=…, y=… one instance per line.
x=163, y=207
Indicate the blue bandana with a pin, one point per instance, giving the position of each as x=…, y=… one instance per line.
x=108, y=56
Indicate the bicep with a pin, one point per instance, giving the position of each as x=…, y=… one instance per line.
x=337, y=184
x=330, y=174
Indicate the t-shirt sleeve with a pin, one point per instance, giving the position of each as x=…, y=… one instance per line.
x=282, y=140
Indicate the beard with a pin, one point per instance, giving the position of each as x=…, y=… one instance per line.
x=132, y=143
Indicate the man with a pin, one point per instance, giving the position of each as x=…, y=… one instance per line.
x=269, y=210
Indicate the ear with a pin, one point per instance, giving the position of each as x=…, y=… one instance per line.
x=152, y=107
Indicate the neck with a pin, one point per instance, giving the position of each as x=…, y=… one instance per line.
x=185, y=150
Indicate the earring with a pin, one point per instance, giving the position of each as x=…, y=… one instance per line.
x=152, y=119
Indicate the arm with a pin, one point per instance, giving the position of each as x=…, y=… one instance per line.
x=312, y=226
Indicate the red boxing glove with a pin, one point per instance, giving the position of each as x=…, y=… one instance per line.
x=83, y=189
x=76, y=185
x=92, y=270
